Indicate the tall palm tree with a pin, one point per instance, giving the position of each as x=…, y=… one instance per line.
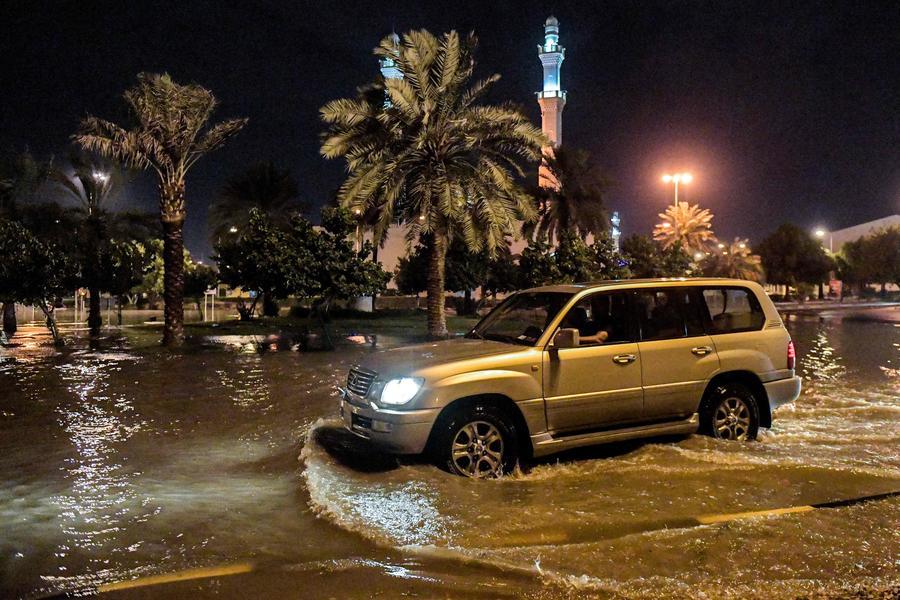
x=263, y=186
x=685, y=223
x=574, y=199
x=171, y=132
x=431, y=158
x=91, y=182
x=733, y=260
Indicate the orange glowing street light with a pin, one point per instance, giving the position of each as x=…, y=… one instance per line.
x=677, y=178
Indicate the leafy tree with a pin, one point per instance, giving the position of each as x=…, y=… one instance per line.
x=20, y=177
x=340, y=271
x=429, y=157
x=646, y=258
x=791, y=256
x=411, y=273
x=124, y=265
x=35, y=273
x=537, y=266
x=170, y=134
x=263, y=186
x=687, y=225
x=198, y=280
x=734, y=260
x=571, y=198
x=608, y=262
x=465, y=270
x=152, y=283
x=574, y=260
x=872, y=259
x=316, y=264
x=140, y=227
x=502, y=273
x=262, y=260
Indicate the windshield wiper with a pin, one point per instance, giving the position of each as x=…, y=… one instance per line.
x=508, y=339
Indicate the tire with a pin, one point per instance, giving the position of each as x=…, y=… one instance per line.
x=730, y=412
x=478, y=441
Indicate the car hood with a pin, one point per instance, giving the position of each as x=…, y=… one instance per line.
x=404, y=361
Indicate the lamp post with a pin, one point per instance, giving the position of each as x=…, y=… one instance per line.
x=677, y=178
x=820, y=233
x=357, y=213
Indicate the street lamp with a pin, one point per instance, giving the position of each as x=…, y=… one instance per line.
x=677, y=178
x=359, y=238
x=100, y=177
x=820, y=233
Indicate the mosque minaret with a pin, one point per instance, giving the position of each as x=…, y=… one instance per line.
x=552, y=98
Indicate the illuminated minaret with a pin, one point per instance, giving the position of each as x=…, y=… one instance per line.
x=552, y=98
x=389, y=69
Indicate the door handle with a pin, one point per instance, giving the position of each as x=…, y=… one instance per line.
x=701, y=350
x=624, y=359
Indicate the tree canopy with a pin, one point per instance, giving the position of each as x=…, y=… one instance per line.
x=790, y=256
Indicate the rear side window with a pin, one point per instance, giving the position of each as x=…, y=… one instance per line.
x=732, y=310
x=669, y=313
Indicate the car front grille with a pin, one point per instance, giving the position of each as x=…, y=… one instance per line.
x=359, y=380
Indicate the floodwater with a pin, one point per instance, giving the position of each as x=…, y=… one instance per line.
x=130, y=461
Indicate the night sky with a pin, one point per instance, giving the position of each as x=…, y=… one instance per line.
x=783, y=111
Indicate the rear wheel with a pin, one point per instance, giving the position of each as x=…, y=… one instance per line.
x=731, y=412
x=479, y=441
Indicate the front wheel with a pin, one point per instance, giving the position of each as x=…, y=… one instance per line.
x=480, y=442
x=731, y=412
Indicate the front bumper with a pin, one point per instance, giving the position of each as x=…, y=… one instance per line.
x=397, y=431
x=782, y=391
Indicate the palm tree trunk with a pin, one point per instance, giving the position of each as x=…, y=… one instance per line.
x=9, y=319
x=95, y=319
x=437, y=319
x=173, y=282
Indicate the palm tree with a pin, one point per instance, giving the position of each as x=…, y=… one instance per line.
x=733, y=260
x=170, y=134
x=685, y=223
x=574, y=199
x=427, y=156
x=263, y=186
x=91, y=182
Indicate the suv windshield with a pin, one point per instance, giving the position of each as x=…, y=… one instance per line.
x=521, y=318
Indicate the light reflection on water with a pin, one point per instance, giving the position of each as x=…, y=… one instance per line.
x=118, y=463
x=100, y=500
x=821, y=363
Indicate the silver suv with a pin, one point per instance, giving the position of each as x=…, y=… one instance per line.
x=563, y=366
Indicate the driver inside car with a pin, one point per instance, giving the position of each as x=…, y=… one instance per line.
x=589, y=331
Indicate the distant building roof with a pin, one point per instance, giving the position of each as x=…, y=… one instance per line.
x=840, y=237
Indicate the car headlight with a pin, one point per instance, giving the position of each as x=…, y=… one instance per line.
x=401, y=391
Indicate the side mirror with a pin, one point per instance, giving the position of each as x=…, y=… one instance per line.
x=566, y=338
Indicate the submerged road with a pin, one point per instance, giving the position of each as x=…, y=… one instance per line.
x=145, y=474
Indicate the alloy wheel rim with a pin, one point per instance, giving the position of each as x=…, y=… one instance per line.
x=732, y=419
x=477, y=450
